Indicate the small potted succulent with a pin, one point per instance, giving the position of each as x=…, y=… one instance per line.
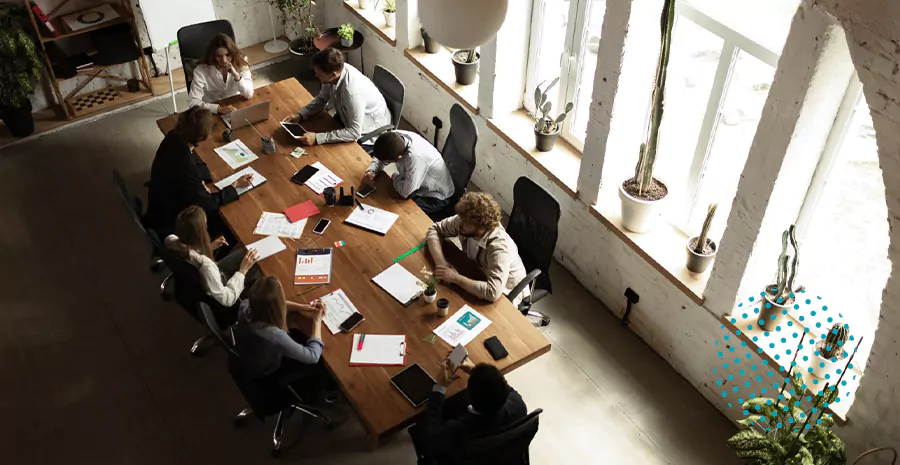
x=429, y=285
x=830, y=352
x=780, y=297
x=345, y=32
x=390, y=13
x=546, y=129
x=431, y=45
x=700, y=249
x=465, y=65
x=363, y=4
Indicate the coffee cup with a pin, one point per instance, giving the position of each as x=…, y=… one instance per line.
x=330, y=196
x=443, y=307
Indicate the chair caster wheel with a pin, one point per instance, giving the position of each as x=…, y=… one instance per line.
x=275, y=453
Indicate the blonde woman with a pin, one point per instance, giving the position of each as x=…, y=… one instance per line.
x=223, y=73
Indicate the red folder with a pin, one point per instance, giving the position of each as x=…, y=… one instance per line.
x=301, y=211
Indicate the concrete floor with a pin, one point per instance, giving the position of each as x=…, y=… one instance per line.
x=96, y=369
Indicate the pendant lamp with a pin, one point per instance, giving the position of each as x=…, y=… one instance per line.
x=462, y=23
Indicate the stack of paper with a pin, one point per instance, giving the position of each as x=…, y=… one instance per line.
x=313, y=267
x=267, y=247
x=464, y=326
x=372, y=219
x=379, y=349
x=255, y=181
x=322, y=179
x=400, y=283
x=337, y=309
x=276, y=224
x=236, y=154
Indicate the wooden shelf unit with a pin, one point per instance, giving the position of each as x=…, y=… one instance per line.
x=126, y=15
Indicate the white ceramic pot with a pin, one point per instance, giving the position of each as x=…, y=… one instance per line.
x=821, y=366
x=638, y=215
x=346, y=43
x=363, y=4
x=430, y=298
x=390, y=19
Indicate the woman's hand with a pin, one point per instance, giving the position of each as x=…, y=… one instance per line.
x=226, y=109
x=218, y=242
x=320, y=312
x=234, y=73
x=243, y=181
x=248, y=261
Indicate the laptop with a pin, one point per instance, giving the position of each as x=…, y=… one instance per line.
x=247, y=115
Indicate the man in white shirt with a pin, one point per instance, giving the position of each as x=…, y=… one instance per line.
x=421, y=174
x=357, y=102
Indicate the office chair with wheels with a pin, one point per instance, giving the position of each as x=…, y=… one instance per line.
x=208, y=318
x=459, y=155
x=193, y=41
x=393, y=91
x=508, y=446
x=533, y=226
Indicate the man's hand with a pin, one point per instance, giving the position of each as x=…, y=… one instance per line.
x=243, y=181
x=446, y=376
x=308, y=139
x=226, y=109
x=447, y=274
x=369, y=178
x=292, y=119
x=218, y=242
x=467, y=366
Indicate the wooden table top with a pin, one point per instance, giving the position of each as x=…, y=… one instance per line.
x=381, y=407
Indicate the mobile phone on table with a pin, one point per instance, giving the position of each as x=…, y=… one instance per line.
x=321, y=226
x=351, y=322
x=457, y=356
x=365, y=190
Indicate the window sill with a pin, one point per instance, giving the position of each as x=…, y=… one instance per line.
x=663, y=248
x=439, y=67
x=739, y=326
x=560, y=164
x=374, y=20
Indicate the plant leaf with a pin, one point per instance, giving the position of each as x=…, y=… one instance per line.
x=749, y=439
x=547, y=90
x=547, y=107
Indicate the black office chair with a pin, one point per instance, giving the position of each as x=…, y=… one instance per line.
x=533, y=225
x=508, y=446
x=208, y=318
x=393, y=91
x=193, y=41
x=459, y=155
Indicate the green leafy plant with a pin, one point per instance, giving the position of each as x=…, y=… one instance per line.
x=304, y=23
x=704, y=232
x=345, y=31
x=783, y=290
x=832, y=347
x=20, y=67
x=390, y=6
x=543, y=123
x=643, y=172
x=430, y=281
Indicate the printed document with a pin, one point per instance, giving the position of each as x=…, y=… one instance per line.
x=255, y=181
x=313, y=266
x=372, y=219
x=277, y=224
x=236, y=154
x=322, y=179
x=462, y=327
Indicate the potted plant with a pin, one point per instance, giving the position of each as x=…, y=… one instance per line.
x=465, y=65
x=829, y=352
x=546, y=129
x=363, y=4
x=431, y=45
x=345, y=32
x=429, y=285
x=787, y=430
x=297, y=18
x=20, y=71
x=390, y=13
x=779, y=297
x=641, y=194
x=700, y=249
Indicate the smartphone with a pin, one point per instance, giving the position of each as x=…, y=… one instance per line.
x=365, y=190
x=351, y=322
x=321, y=226
x=294, y=129
x=457, y=356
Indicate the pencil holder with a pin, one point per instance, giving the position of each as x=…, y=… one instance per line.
x=227, y=135
x=268, y=145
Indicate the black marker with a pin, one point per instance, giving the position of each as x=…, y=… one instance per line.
x=360, y=205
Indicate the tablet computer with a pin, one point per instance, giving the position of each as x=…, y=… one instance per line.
x=414, y=383
x=294, y=129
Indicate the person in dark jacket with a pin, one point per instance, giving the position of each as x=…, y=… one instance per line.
x=488, y=405
x=179, y=178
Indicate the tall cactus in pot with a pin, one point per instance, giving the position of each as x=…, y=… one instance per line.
x=784, y=284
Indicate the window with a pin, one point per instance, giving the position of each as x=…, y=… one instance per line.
x=564, y=43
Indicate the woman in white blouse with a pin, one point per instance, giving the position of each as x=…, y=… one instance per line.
x=223, y=281
x=223, y=73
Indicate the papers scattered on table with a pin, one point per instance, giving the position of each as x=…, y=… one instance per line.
x=337, y=309
x=313, y=267
x=372, y=219
x=267, y=247
x=400, y=284
x=322, y=179
x=236, y=154
x=379, y=349
x=255, y=181
x=276, y=224
x=463, y=326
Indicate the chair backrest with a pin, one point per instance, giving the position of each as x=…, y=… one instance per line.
x=459, y=149
x=264, y=395
x=508, y=446
x=189, y=289
x=393, y=91
x=135, y=209
x=193, y=41
x=208, y=318
x=533, y=226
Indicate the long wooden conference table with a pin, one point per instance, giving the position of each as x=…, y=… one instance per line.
x=381, y=407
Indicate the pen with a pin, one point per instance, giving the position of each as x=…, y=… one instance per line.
x=362, y=338
x=360, y=205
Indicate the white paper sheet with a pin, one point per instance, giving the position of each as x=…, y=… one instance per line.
x=278, y=224
x=236, y=154
x=379, y=349
x=267, y=247
x=322, y=179
x=400, y=283
x=337, y=309
x=256, y=181
x=313, y=266
x=462, y=327
x=372, y=219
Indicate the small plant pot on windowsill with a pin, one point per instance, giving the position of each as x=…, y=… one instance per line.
x=825, y=368
x=346, y=43
x=544, y=141
x=771, y=312
x=363, y=4
x=699, y=262
x=465, y=72
x=431, y=45
x=429, y=298
x=390, y=19
x=639, y=211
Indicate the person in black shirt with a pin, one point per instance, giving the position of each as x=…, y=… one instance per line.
x=179, y=178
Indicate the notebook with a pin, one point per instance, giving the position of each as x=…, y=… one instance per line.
x=372, y=219
x=313, y=266
x=256, y=181
x=337, y=309
x=322, y=179
x=400, y=284
x=267, y=247
x=378, y=349
x=301, y=211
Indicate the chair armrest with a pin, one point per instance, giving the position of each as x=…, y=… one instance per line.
x=525, y=282
x=538, y=295
x=374, y=134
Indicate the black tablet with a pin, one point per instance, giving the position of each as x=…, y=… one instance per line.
x=304, y=174
x=414, y=383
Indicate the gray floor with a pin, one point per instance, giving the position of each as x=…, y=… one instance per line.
x=96, y=370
